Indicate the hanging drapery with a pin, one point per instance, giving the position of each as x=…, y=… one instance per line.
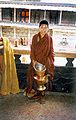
x=9, y=81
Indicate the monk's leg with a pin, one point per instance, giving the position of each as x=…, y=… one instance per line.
x=49, y=84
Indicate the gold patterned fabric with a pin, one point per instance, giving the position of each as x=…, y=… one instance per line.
x=9, y=81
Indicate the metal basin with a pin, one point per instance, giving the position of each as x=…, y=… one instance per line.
x=39, y=69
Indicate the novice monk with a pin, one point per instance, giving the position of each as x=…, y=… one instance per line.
x=42, y=52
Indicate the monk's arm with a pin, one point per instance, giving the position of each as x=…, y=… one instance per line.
x=32, y=55
x=52, y=50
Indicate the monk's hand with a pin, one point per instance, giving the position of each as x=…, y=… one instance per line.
x=33, y=63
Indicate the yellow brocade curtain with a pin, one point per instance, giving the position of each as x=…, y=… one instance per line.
x=9, y=81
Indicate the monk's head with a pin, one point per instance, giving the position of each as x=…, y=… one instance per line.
x=43, y=22
x=43, y=26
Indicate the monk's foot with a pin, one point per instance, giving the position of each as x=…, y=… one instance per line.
x=29, y=94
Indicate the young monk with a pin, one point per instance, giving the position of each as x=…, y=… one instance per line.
x=42, y=52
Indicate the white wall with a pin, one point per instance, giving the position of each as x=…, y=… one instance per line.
x=59, y=1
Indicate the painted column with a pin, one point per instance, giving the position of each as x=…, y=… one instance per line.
x=45, y=14
x=0, y=14
x=29, y=15
x=14, y=14
x=60, y=18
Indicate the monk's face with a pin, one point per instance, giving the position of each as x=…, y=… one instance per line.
x=43, y=29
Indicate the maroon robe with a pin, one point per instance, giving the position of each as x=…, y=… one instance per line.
x=42, y=52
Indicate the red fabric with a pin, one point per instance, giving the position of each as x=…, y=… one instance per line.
x=43, y=53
